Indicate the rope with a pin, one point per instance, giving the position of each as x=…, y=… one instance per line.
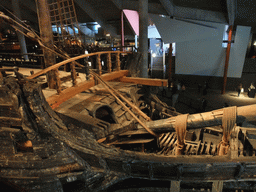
x=180, y=128
x=228, y=124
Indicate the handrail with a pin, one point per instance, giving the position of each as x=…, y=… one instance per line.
x=73, y=63
x=56, y=66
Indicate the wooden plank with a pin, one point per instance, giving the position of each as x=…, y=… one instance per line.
x=175, y=186
x=7, y=69
x=10, y=121
x=145, y=81
x=55, y=100
x=134, y=141
x=234, y=143
x=120, y=112
x=217, y=186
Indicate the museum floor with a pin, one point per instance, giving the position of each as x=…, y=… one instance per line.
x=189, y=101
x=216, y=100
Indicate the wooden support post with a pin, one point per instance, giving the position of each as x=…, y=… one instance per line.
x=98, y=61
x=175, y=186
x=118, y=64
x=234, y=143
x=73, y=73
x=58, y=88
x=47, y=39
x=227, y=60
x=109, y=64
x=217, y=186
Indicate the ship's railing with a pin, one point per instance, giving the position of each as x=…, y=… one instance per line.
x=113, y=64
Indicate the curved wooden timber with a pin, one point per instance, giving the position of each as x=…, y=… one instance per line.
x=61, y=140
x=55, y=100
x=147, y=165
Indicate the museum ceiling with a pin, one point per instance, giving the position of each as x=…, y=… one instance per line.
x=107, y=12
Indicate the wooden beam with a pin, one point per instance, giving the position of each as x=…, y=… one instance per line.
x=47, y=39
x=175, y=186
x=196, y=121
x=131, y=141
x=217, y=186
x=145, y=81
x=55, y=100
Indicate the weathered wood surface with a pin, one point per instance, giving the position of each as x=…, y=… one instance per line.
x=145, y=81
x=55, y=100
x=101, y=166
x=200, y=120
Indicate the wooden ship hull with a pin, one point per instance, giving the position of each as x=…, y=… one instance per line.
x=80, y=148
x=104, y=139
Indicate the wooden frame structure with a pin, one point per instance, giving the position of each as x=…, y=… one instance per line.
x=113, y=74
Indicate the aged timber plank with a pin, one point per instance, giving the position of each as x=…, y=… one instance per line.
x=66, y=94
x=217, y=186
x=175, y=186
x=10, y=121
x=145, y=81
x=199, y=120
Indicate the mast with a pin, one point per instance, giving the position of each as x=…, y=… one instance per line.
x=47, y=40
